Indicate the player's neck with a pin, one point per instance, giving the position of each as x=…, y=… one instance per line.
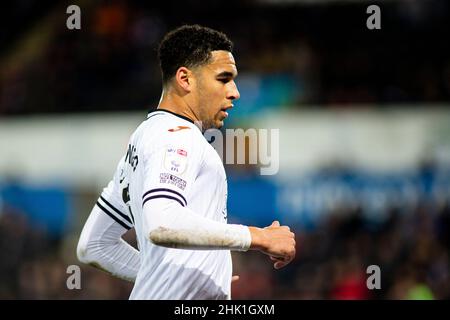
x=176, y=104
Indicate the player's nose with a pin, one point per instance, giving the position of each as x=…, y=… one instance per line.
x=233, y=93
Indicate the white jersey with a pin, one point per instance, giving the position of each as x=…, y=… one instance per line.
x=168, y=159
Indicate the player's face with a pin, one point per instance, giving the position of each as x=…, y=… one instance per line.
x=216, y=89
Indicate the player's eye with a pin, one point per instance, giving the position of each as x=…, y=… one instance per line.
x=224, y=80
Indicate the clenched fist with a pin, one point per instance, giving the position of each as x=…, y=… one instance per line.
x=276, y=241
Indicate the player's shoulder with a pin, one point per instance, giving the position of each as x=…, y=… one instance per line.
x=164, y=127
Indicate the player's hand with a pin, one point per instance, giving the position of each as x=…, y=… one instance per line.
x=278, y=262
x=276, y=241
x=281, y=261
x=234, y=279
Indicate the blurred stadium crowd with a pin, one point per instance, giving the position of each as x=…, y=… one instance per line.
x=411, y=249
x=111, y=65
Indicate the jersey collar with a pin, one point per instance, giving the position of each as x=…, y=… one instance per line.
x=175, y=114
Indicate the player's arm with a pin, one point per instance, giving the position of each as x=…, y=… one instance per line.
x=101, y=244
x=168, y=220
x=169, y=224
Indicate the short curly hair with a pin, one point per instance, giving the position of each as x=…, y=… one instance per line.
x=189, y=46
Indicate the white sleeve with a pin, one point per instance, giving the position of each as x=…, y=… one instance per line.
x=170, y=171
x=102, y=246
x=111, y=202
x=170, y=225
x=101, y=242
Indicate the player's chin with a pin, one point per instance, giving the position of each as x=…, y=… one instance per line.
x=218, y=123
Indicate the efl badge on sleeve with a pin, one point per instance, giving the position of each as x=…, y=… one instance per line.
x=175, y=160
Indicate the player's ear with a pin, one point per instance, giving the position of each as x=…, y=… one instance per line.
x=183, y=77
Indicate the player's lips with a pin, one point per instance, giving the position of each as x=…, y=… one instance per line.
x=224, y=110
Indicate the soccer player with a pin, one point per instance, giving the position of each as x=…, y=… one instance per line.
x=171, y=185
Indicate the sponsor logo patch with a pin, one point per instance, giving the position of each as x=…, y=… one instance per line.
x=178, y=128
x=173, y=180
x=175, y=160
